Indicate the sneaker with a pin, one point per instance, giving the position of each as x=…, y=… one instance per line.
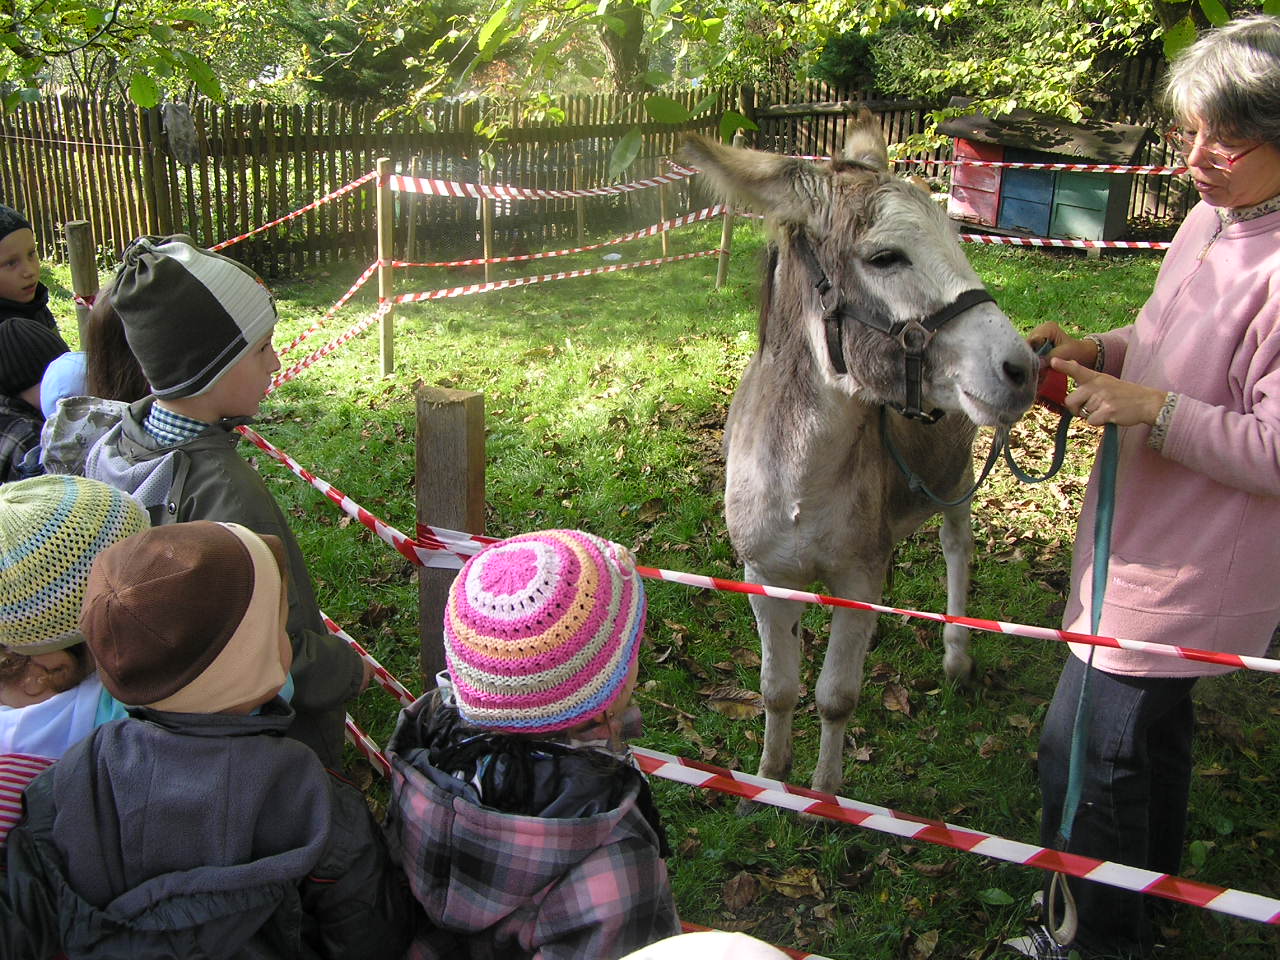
x=1039, y=943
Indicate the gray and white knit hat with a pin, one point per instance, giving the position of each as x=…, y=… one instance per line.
x=188, y=314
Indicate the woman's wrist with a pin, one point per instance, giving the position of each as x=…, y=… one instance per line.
x=1100, y=348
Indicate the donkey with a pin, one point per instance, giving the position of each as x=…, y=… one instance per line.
x=870, y=316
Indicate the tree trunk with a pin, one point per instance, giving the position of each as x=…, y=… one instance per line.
x=628, y=61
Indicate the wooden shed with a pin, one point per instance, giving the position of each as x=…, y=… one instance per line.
x=1042, y=203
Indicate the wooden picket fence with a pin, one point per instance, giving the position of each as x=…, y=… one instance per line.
x=114, y=165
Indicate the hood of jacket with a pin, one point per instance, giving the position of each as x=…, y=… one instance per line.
x=474, y=867
x=105, y=440
x=179, y=834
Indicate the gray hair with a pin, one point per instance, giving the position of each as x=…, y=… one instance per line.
x=1229, y=81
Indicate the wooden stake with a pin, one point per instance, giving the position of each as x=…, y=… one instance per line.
x=386, y=276
x=450, y=493
x=84, y=269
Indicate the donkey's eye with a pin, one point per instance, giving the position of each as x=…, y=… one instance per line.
x=883, y=259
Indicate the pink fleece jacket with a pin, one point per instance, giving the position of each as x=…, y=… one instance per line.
x=1195, y=543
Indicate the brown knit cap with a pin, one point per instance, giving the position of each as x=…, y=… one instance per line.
x=161, y=605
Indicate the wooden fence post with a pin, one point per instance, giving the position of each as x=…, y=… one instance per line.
x=663, y=206
x=579, y=203
x=726, y=233
x=386, y=275
x=450, y=494
x=84, y=269
x=411, y=213
x=486, y=226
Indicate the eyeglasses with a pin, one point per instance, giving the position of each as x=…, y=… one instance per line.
x=1184, y=143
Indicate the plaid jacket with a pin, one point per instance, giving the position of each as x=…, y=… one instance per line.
x=497, y=886
x=19, y=431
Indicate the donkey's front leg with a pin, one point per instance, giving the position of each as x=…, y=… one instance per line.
x=957, y=549
x=778, y=622
x=840, y=682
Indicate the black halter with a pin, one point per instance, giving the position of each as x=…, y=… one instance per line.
x=914, y=334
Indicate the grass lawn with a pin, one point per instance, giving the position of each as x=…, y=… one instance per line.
x=605, y=399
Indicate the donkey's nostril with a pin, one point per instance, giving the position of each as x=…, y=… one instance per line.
x=1018, y=373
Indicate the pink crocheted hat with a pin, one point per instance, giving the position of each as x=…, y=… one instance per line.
x=541, y=630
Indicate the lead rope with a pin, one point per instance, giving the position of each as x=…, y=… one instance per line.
x=1064, y=932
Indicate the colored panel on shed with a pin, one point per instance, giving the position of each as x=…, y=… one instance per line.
x=969, y=150
x=976, y=206
x=1019, y=214
x=978, y=178
x=1033, y=185
x=1077, y=223
x=1088, y=190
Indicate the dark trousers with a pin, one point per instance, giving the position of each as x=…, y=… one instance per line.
x=1133, y=802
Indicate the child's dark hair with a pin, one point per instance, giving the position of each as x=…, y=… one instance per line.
x=111, y=370
x=14, y=668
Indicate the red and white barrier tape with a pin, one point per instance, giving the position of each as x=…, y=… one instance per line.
x=299, y=212
x=469, y=289
x=1077, y=244
x=332, y=311
x=1152, y=170
x=452, y=188
x=367, y=748
x=360, y=327
x=1250, y=906
x=439, y=547
x=419, y=554
x=386, y=679
x=657, y=228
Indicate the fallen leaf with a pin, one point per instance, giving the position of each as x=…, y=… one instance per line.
x=651, y=510
x=736, y=703
x=896, y=699
x=861, y=754
x=1021, y=722
x=990, y=747
x=932, y=869
x=745, y=657
x=886, y=861
x=794, y=883
x=923, y=945
x=376, y=614
x=740, y=891
x=881, y=672
x=928, y=734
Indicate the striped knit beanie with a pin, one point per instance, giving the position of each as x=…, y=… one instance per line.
x=541, y=630
x=51, y=528
x=188, y=314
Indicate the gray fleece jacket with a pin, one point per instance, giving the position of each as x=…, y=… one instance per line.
x=198, y=835
x=206, y=479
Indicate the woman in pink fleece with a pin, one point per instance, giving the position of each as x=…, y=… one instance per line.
x=1194, y=386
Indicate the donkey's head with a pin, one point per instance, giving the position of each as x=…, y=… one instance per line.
x=868, y=273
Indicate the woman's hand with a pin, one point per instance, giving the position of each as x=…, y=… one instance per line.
x=1064, y=345
x=1099, y=398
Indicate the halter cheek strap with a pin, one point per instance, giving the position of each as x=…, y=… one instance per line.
x=913, y=335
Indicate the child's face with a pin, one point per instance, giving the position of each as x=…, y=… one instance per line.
x=240, y=390
x=19, y=266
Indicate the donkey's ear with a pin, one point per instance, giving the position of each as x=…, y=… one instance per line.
x=864, y=144
x=781, y=187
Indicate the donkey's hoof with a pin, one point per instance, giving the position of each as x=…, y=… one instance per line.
x=958, y=667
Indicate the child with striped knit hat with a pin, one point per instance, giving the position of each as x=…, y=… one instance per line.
x=522, y=824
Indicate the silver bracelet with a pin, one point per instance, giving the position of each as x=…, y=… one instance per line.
x=1100, y=358
x=1156, y=438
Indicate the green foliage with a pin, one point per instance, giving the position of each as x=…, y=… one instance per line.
x=362, y=51
x=151, y=48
